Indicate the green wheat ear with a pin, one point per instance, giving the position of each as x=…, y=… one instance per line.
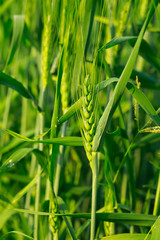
x=64, y=89
x=46, y=51
x=53, y=219
x=65, y=77
x=88, y=117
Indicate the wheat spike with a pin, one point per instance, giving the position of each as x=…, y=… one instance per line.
x=88, y=117
x=155, y=129
x=65, y=86
x=46, y=51
x=53, y=219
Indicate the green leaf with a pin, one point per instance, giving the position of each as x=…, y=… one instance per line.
x=54, y=122
x=71, y=111
x=18, y=25
x=14, y=143
x=156, y=230
x=140, y=97
x=12, y=83
x=145, y=49
x=118, y=91
x=118, y=40
x=125, y=236
x=66, y=141
x=16, y=232
x=123, y=218
x=143, y=102
x=105, y=83
x=20, y=154
x=15, y=158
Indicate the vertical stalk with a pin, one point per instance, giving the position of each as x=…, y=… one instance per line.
x=6, y=114
x=54, y=125
x=94, y=193
x=59, y=162
x=37, y=205
x=156, y=209
x=31, y=173
x=41, y=124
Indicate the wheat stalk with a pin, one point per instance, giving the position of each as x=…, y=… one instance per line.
x=89, y=125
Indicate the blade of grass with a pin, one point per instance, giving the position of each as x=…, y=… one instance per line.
x=156, y=230
x=145, y=50
x=12, y=83
x=66, y=141
x=15, y=232
x=19, y=155
x=18, y=25
x=54, y=122
x=123, y=218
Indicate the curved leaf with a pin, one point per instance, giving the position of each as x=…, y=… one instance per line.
x=11, y=82
x=15, y=158
x=15, y=232
x=156, y=230
x=66, y=141
x=145, y=50
x=19, y=155
x=118, y=40
x=143, y=102
x=18, y=25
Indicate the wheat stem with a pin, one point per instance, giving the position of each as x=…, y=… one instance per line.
x=94, y=193
x=59, y=162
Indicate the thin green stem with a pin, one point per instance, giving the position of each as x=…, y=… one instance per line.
x=59, y=162
x=40, y=126
x=24, y=113
x=37, y=204
x=156, y=209
x=6, y=114
x=28, y=195
x=94, y=194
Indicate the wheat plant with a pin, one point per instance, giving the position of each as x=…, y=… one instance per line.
x=79, y=120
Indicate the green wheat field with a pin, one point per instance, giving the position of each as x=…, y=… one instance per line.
x=79, y=120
